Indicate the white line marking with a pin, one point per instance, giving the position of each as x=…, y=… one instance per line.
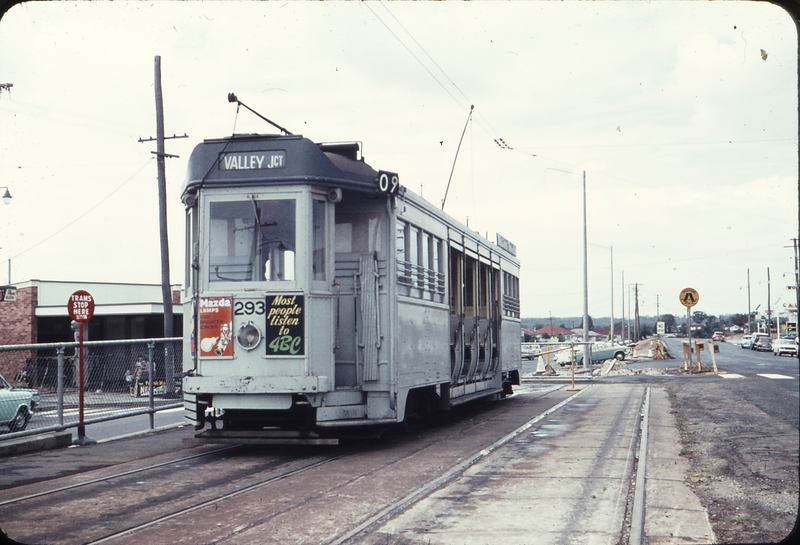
x=773, y=376
x=732, y=375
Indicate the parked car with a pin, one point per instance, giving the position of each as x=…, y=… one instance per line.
x=784, y=346
x=763, y=344
x=746, y=341
x=600, y=352
x=16, y=405
x=531, y=351
x=718, y=336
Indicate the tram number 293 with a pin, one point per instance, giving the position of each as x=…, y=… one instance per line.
x=388, y=182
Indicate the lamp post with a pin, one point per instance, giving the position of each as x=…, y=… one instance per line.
x=7, y=201
x=587, y=353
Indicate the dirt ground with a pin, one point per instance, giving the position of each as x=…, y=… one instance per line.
x=744, y=463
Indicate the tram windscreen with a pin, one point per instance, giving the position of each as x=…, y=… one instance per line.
x=252, y=241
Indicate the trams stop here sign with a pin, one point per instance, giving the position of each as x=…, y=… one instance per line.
x=81, y=306
x=689, y=297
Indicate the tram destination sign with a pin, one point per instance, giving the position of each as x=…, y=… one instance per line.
x=252, y=160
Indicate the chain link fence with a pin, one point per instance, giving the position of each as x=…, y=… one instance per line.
x=121, y=379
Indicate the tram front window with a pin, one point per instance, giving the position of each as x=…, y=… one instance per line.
x=252, y=241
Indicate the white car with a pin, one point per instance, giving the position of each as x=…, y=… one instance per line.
x=746, y=341
x=601, y=351
x=784, y=346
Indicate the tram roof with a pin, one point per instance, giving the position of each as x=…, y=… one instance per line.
x=256, y=159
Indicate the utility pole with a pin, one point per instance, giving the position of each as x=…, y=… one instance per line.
x=587, y=353
x=636, y=310
x=611, y=331
x=769, y=310
x=624, y=338
x=749, y=313
x=796, y=286
x=166, y=288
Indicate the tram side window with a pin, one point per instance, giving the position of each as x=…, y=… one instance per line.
x=358, y=233
x=191, y=248
x=318, y=257
x=252, y=241
x=420, y=263
x=511, y=306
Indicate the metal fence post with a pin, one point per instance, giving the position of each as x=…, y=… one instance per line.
x=150, y=368
x=60, y=386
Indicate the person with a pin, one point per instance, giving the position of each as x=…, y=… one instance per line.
x=28, y=373
x=129, y=380
x=140, y=374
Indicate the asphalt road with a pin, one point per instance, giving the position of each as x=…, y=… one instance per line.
x=770, y=382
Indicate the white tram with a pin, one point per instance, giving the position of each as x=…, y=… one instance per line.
x=322, y=295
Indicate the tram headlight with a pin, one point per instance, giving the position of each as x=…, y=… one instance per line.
x=248, y=336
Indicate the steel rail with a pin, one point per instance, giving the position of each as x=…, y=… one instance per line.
x=428, y=488
x=637, y=517
x=460, y=468
x=213, y=501
x=114, y=476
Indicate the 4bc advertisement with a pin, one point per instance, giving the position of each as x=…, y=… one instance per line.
x=285, y=328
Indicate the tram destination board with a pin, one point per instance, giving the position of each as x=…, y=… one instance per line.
x=268, y=159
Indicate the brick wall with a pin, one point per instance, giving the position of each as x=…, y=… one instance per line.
x=17, y=326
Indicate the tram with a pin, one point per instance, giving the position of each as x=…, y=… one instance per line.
x=322, y=296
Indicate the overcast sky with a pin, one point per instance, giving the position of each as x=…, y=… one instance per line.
x=682, y=114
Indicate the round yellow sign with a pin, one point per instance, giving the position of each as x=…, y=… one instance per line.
x=689, y=297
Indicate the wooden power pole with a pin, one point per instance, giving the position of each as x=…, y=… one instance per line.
x=166, y=288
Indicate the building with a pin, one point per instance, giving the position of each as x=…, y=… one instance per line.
x=122, y=311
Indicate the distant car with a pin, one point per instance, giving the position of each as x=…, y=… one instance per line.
x=718, y=336
x=759, y=336
x=763, y=344
x=531, y=351
x=600, y=352
x=784, y=346
x=746, y=341
x=16, y=405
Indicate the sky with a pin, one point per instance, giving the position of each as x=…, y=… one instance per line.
x=682, y=115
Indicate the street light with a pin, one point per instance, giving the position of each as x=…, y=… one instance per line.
x=7, y=196
x=587, y=358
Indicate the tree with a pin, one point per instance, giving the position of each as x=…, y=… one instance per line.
x=591, y=324
x=669, y=321
x=739, y=319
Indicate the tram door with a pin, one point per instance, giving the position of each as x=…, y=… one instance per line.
x=474, y=292
x=456, y=283
x=360, y=262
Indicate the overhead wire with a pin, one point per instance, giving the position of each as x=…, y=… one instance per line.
x=491, y=132
x=96, y=205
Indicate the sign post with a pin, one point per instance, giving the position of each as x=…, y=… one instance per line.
x=81, y=309
x=689, y=298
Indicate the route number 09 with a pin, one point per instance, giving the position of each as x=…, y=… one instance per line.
x=388, y=182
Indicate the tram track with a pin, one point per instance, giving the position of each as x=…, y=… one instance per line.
x=113, y=476
x=301, y=485
x=376, y=519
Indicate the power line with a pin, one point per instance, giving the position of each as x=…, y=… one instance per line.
x=101, y=201
x=490, y=131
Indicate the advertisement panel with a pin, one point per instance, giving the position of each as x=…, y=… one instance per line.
x=216, y=322
x=285, y=329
